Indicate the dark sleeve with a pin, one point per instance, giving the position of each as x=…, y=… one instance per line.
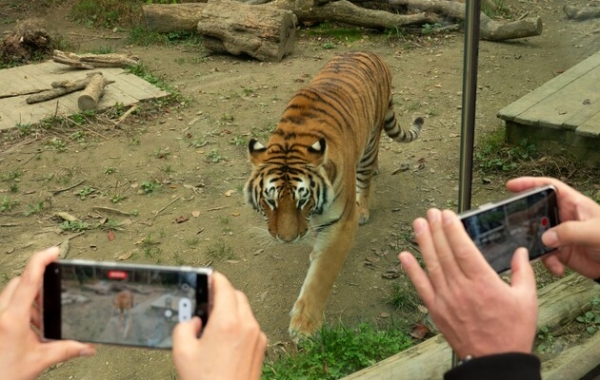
x=513, y=366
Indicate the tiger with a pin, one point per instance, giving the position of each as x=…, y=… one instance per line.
x=314, y=173
x=123, y=302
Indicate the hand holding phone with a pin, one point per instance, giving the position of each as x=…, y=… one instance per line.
x=232, y=344
x=578, y=236
x=499, y=228
x=22, y=354
x=471, y=305
x=122, y=304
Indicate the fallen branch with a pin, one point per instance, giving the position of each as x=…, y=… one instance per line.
x=92, y=61
x=125, y=116
x=583, y=13
x=65, y=245
x=21, y=93
x=58, y=191
x=164, y=208
x=61, y=88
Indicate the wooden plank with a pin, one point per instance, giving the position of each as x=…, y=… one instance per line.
x=575, y=362
x=591, y=127
x=128, y=89
x=560, y=301
x=556, y=109
x=514, y=109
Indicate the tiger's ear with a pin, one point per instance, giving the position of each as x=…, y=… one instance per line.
x=317, y=150
x=255, y=151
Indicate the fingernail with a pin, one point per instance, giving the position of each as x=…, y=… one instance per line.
x=419, y=226
x=433, y=215
x=550, y=238
x=87, y=351
x=447, y=217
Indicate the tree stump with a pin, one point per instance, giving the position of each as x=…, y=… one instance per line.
x=88, y=100
x=263, y=32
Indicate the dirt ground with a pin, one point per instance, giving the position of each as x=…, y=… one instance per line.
x=197, y=154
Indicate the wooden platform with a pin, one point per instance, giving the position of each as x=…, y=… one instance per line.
x=564, y=113
x=128, y=89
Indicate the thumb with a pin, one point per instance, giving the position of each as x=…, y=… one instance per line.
x=60, y=351
x=184, y=332
x=572, y=233
x=522, y=276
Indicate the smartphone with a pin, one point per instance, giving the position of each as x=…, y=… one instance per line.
x=499, y=228
x=121, y=304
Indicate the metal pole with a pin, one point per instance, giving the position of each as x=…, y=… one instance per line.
x=473, y=9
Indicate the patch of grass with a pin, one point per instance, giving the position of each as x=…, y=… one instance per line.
x=215, y=157
x=140, y=36
x=341, y=33
x=220, y=251
x=74, y=226
x=149, y=187
x=13, y=175
x=7, y=204
x=39, y=207
x=110, y=170
x=544, y=340
x=404, y=297
x=117, y=198
x=85, y=192
x=335, y=352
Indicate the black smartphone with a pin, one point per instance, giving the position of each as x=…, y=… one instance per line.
x=499, y=228
x=122, y=304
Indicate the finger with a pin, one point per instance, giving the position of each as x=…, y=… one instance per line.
x=258, y=357
x=466, y=254
x=36, y=318
x=553, y=264
x=523, y=276
x=418, y=277
x=185, y=335
x=31, y=280
x=526, y=183
x=444, y=252
x=51, y=353
x=428, y=252
x=8, y=292
x=572, y=233
x=224, y=296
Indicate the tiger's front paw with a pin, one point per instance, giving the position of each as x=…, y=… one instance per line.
x=363, y=214
x=305, y=320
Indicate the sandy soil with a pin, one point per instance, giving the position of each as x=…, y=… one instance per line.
x=231, y=99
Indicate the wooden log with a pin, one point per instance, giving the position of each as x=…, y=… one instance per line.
x=88, y=100
x=559, y=302
x=575, y=362
x=167, y=18
x=164, y=18
x=265, y=33
x=60, y=89
x=581, y=13
x=345, y=12
x=489, y=29
x=91, y=61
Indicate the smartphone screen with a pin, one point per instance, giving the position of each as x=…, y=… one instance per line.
x=123, y=304
x=519, y=221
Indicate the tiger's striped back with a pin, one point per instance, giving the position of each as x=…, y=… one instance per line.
x=316, y=169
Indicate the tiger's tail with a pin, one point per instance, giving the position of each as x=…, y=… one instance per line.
x=395, y=132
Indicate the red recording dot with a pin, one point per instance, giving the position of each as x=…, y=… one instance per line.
x=544, y=221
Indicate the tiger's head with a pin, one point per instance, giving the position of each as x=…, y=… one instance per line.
x=288, y=185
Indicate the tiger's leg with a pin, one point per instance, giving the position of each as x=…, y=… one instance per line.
x=365, y=170
x=327, y=259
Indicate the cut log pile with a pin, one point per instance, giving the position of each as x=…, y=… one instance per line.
x=267, y=31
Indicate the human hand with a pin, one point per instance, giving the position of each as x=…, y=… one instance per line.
x=577, y=236
x=477, y=312
x=232, y=345
x=23, y=354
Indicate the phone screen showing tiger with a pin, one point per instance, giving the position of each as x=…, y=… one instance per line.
x=499, y=228
x=121, y=304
